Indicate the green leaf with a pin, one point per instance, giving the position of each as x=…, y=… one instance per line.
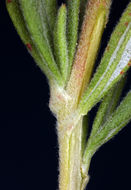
x=107, y=106
x=19, y=23
x=51, y=12
x=60, y=43
x=119, y=119
x=72, y=28
x=92, y=29
x=33, y=14
x=113, y=64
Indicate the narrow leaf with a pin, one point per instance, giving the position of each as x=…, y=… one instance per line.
x=41, y=8
x=107, y=107
x=60, y=43
x=119, y=119
x=72, y=28
x=90, y=38
x=115, y=62
x=19, y=23
x=51, y=12
x=32, y=12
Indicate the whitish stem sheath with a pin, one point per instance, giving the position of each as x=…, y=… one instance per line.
x=70, y=152
x=71, y=139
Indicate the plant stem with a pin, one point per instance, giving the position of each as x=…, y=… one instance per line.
x=71, y=138
x=70, y=153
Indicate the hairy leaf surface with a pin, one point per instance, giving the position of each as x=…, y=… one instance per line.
x=115, y=62
x=60, y=43
x=119, y=119
x=72, y=28
x=34, y=18
x=19, y=23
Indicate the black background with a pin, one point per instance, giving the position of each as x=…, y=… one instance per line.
x=28, y=141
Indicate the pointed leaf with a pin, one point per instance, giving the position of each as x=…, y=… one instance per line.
x=51, y=12
x=32, y=11
x=92, y=29
x=60, y=43
x=72, y=28
x=119, y=119
x=107, y=107
x=115, y=62
x=18, y=21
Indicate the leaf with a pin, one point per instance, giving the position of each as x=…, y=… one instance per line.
x=90, y=38
x=51, y=12
x=115, y=62
x=107, y=106
x=60, y=43
x=33, y=14
x=19, y=23
x=72, y=28
x=119, y=119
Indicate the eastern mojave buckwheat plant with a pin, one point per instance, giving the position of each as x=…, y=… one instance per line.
x=64, y=42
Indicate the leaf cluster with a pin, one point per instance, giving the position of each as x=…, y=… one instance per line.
x=43, y=29
x=53, y=35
